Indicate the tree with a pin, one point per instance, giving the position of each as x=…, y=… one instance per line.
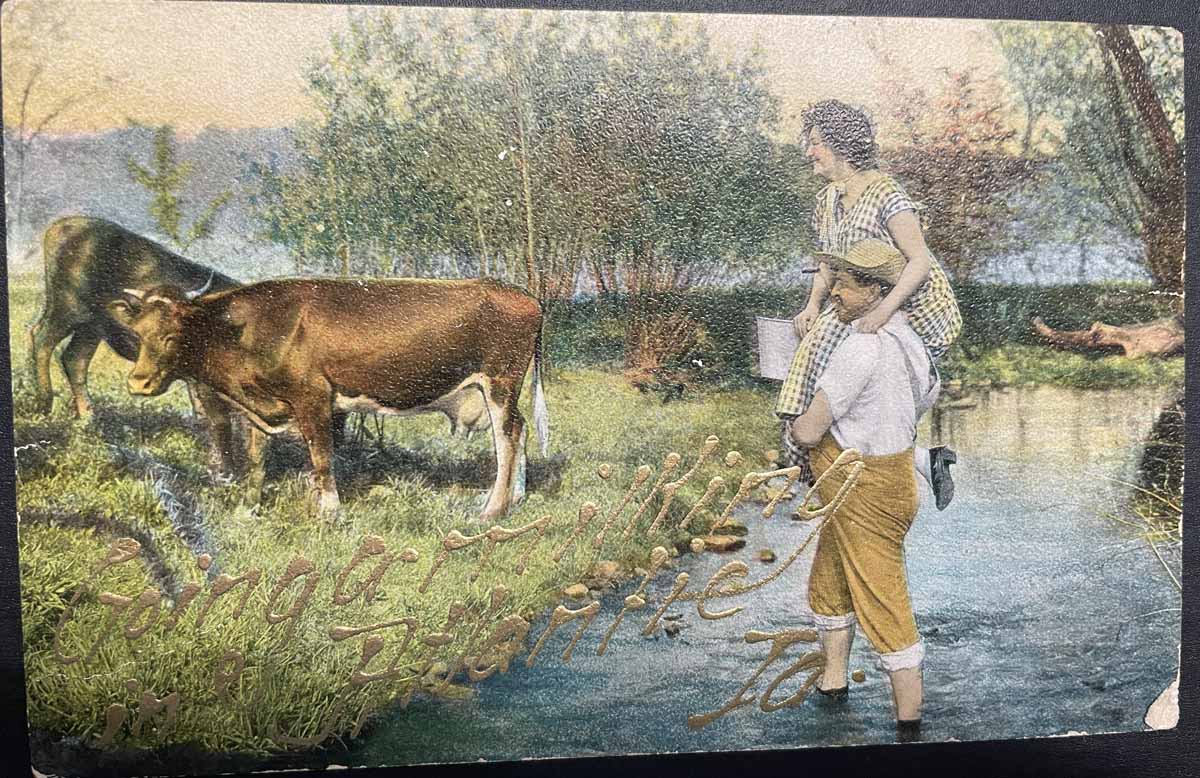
x=533, y=150
x=34, y=104
x=957, y=153
x=1153, y=157
x=1117, y=94
x=370, y=195
x=1112, y=97
x=165, y=180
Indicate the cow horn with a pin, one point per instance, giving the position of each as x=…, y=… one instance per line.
x=138, y=294
x=194, y=294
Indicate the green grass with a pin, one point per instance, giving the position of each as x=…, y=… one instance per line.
x=1016, y=364
x=79, y=487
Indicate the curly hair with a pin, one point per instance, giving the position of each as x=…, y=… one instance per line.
x=847, y=130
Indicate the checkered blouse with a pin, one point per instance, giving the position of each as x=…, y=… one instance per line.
x=932, y=310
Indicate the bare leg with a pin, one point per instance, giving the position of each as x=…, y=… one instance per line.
x=835, y=643
x=75, y=360
x=907, y=692
x=921, y=463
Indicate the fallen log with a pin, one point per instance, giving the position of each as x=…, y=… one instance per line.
x=1160, y=338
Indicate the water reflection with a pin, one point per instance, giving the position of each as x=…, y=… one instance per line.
x=1045, y=428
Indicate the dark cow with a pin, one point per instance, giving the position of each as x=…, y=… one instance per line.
x=290, y=352
x=88, y=262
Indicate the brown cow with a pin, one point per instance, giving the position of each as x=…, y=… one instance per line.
x=289, y=352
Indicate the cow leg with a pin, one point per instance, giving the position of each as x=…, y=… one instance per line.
x=507, y=429
x=193, y=400
x=338, y=426
x=222, y=462
x=256, y=474
x=315, y=424
x=519, y=477
x=75, y=360
x=44, y=337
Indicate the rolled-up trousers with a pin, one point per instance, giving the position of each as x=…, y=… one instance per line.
x=858, y=575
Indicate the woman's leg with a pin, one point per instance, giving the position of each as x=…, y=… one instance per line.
x=921, y=463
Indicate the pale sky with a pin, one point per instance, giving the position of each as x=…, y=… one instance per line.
x=239, y=64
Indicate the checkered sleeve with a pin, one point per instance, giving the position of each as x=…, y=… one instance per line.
x=893, y=200
x=808, y=364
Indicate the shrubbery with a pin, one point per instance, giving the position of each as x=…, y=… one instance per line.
x=997, y=343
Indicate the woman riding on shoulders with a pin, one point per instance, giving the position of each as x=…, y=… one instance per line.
x=861, y=203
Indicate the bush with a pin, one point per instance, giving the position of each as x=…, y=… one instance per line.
x=996, y=318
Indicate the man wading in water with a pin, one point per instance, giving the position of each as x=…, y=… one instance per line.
x=870, y=396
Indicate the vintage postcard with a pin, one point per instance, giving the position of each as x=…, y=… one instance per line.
x=400, y=385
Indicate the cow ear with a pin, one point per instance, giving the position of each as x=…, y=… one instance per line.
x=122, y=311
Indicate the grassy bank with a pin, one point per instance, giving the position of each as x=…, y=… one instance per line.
x=137, y=470
x=1018, y=364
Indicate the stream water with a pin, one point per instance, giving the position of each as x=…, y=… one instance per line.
x=1041, y=615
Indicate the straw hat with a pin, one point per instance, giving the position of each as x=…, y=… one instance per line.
x=871, y=257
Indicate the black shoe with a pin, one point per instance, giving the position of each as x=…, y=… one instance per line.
x=908, y=731
x=940, y=459
x=840, y=694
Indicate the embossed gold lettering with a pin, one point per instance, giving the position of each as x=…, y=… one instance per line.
x=728, y=570
x=779, y=644
x=296, y=569
x=640, y=477
x=121, y=551
x=223, y=585
x=559, y=617
x=636, y=601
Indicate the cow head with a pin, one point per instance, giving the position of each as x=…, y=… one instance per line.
x=158, y=316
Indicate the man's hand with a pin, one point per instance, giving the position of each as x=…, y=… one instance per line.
x=804, y=322
x=873, y=320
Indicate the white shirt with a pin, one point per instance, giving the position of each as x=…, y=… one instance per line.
x=870, y=387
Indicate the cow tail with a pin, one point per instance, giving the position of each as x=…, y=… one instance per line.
x=541, y=414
